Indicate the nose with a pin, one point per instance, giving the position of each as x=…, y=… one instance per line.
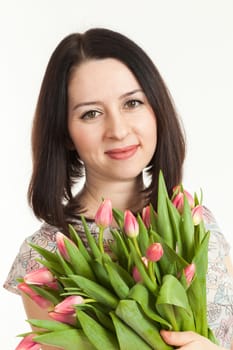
x=117, y=125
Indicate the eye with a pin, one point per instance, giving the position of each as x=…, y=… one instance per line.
x=133, y=103
x=90, y=114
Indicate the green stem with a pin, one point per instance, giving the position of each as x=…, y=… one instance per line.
x=151, y=270
x=100, y=239
x=136, y=246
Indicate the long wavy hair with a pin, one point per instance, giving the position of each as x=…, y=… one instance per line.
x=56, y=167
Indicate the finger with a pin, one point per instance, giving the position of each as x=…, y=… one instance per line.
x=179, y=338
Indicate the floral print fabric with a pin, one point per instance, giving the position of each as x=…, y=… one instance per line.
x=219, y=281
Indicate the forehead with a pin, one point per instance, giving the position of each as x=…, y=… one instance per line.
x=101, y=75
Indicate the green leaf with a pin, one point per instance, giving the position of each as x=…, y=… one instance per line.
x=197, y=290
x=68, y=283
x=101, y=273
x=91, y=240
x=49, y=324
x=69, y=339
x=99, y=336
x=146, y=300
x=67, y=270
x=143, y=238
x=119, y=248
x=119, y=217
x=171, y=262
x=78, y=262
x=47, y=293
x=96, y=291
x=163, y=222
x=128, y=339
x=120, y=287
x=197, y=299
x=103, y=317
x=201, y=257
x=50, y=256
x=187, y=231
x=153, y=218
x=173, y=305
x=125, y=275
x=175, y=219
x=130, y=313
x=55, y=268
x=212, y=337
x=75, y=237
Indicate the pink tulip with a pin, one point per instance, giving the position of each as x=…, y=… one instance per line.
x=197, y=214
x=189, y=272
x=41, y=276
x=27, y=343
x=103, y=216
x=131, y=226
x=64, y=318
x=178, y=201
x=154, y=252
x=146, y=216
x=26, y=289
x=60, y=240
x=67, y=305
x=53, y=285
x=38, y=299
x=136, y=273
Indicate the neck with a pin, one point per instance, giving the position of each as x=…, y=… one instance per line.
x=123, y=194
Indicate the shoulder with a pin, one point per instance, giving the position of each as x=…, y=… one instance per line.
x=45, y=237
x=26, y=259
x=217, y=243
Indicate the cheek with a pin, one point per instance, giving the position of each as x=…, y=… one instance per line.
x=79, y=140
x=149, y=129
x=84, y=142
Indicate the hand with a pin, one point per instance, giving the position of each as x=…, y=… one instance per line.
x=188, y=341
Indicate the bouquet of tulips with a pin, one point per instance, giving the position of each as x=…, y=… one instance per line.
x=154, y=278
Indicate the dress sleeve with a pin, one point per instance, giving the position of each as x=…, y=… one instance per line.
x=219, y=284
x=25, y=260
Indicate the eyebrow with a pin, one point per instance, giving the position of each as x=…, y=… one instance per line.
x=81, y=104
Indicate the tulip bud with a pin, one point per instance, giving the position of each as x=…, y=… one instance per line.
x=146, y=216
x=60, y=240
x=197, y=214
x=23, y=287
x=189, y=272
x=53, y=285
x=27, y=343
x=41, y=276
x=136, y=273
x=67, y=305
x=131, y=226
x=178, y=201
x=154, y=252
x=103, y=217
x=38, y=299
x=64, y=318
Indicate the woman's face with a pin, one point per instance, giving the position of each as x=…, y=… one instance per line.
x=110, y=122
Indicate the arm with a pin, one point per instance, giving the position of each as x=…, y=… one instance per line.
x=34, y=311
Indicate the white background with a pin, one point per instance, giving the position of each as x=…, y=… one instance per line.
x=191, y=42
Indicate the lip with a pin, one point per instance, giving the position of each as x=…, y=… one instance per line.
x=123, y=152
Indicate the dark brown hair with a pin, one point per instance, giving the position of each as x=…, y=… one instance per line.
x=55, y=166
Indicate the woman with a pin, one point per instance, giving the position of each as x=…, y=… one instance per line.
x=104, y=111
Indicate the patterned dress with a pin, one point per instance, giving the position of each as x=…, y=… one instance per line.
x=219, y=281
